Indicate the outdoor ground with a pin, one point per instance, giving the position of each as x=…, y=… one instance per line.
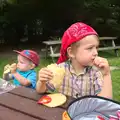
x=8, y=56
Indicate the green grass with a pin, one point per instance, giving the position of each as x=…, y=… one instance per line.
x=113, y=60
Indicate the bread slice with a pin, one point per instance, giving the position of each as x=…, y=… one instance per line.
x=58, y=72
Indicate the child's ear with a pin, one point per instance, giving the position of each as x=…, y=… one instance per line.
x=70, y=52
x=32, y=66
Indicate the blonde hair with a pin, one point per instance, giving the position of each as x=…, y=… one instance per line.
x=74, y=47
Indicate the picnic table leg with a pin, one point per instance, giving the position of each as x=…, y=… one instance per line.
x=116, y=52
x=53, y=60
x=46, y=53
x=52, y=52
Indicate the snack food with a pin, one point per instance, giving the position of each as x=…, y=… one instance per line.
x=58, y=73
x=52, y=100
x=7, y=69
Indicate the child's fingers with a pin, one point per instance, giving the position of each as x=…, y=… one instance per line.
x=45, y=74
x=100, y=65
x=13, y=65
x=43, y=79
x=47, y=77
x=46, y=71
x=100, y=62
x=103, y=64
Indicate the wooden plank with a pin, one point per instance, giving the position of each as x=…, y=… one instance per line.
x=26, y=93
x=107, y=38
x=33, y=95
x=69, y=100
x=8, y=114
x=108, y=48
x=99, y=49
x=54, y=42
x=30, y=107
x=55, y=55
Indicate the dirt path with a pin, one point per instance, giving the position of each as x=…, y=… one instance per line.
x=8, y=51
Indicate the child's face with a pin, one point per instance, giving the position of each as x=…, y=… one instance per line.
x=23, y=63
x=87, y=50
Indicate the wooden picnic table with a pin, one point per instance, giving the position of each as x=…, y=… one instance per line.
x=21, y=104
x=51, y=45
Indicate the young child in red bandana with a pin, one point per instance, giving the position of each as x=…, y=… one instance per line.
x=85, y=72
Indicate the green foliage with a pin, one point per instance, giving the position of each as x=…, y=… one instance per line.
x=55, y=16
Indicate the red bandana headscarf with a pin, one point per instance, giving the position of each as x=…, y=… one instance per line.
x=74, y=33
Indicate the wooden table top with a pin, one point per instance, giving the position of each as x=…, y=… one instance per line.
x=55, y=42
x=21, y=103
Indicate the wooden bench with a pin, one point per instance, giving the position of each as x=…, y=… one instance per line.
x=53, y=45
x=113, y=46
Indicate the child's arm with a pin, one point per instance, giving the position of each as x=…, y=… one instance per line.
x=102, y=63
x=23, y=81
x=44, y=76
x=107, y=87
x=41, y=86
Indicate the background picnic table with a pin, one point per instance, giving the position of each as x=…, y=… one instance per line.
x=106, y=43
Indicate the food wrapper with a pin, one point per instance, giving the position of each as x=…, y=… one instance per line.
x=5, y=86
x=58, y=74
x=65, y=116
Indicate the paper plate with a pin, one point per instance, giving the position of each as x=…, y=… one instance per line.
x=53, y=100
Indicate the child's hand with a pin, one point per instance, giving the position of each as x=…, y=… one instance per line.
x=103, y=64
x=45, y=75
x=13, y=67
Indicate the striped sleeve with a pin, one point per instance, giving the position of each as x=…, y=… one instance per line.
x=98, y=82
